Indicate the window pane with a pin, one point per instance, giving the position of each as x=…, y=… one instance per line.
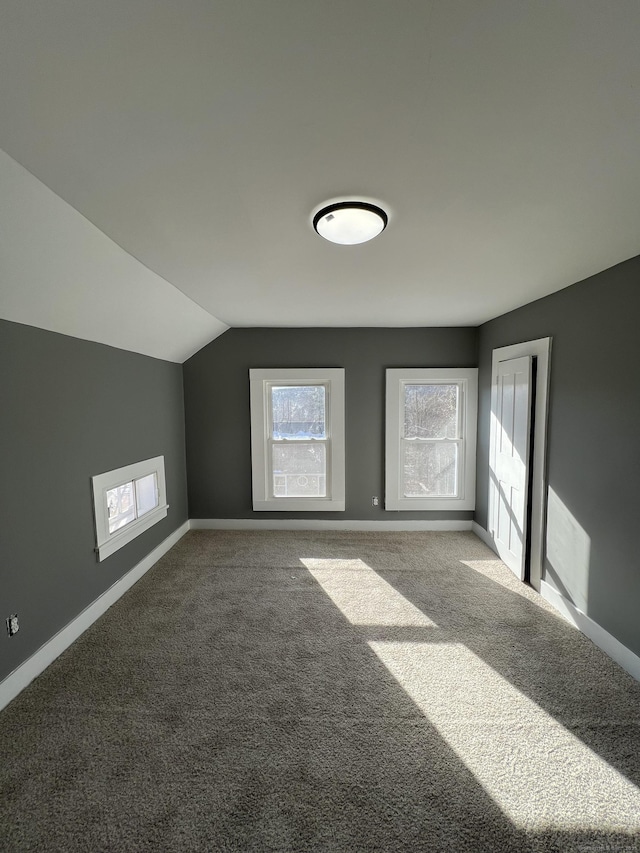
x=299, y=470
x=431, y=411
x=298, y=411
x=121, y=507
x=146, y=494
x=430, y=470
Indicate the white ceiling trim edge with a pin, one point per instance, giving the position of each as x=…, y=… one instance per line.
x=61, y=273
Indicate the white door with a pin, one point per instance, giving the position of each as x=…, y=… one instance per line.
x=510, y=460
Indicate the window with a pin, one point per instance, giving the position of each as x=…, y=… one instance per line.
x=126, y=502
x=431, y=438
x=297, y=439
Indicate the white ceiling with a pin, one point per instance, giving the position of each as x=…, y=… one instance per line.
x=199, y=135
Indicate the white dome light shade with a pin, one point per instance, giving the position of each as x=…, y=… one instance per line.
x=350, y=222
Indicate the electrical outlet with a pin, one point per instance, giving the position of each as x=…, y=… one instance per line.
x=12, y=624
x=375, y=501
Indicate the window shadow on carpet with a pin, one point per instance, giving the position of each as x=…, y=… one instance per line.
x=227, y=702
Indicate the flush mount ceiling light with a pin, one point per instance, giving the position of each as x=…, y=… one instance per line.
x=350, y=222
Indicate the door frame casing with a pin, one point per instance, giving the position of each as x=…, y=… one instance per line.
x=541, y=350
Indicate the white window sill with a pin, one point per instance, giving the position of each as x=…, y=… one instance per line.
x=426, y=504
x=299, y=505
x=127, y=534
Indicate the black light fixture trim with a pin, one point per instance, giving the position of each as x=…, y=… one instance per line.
x=342, y=205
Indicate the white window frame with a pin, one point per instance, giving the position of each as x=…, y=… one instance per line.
x=260, y=381
x=467, y=381
x=108, y=543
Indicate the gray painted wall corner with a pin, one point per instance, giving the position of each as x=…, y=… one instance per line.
x=72, y=409
x=593, y=454
x=218, y=415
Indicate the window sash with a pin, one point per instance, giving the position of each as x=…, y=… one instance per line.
x=398, y=494
x=269, y=387
x=325, y=474
x=265, y=486
x=433, y=442
x=459, y=413
x=293, y=441
x=458, y=440
x=134, y=510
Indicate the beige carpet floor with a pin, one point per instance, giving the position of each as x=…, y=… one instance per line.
x=307, y=691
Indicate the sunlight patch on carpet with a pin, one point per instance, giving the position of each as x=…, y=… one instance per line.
x=370, y=601
x=536, y=771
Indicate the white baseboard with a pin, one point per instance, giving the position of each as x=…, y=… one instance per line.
x=483, y=534
x=321, y=524
x=40, y=660
x=603, y=639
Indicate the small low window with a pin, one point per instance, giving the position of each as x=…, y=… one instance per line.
x=431, y=438
x=126, y=502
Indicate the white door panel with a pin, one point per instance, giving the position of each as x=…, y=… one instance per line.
x=510, y=460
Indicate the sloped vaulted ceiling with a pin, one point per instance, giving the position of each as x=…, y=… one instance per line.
x=59, y=272
x=198, y=136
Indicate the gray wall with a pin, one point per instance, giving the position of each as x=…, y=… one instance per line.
x=70, y=409
x=594, y=434
x=216, y=382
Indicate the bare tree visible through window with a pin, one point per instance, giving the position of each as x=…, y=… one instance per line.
x=299, y=458
x=131, y=500
x=120, y=506
x=431, y=433
x=298, y=411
